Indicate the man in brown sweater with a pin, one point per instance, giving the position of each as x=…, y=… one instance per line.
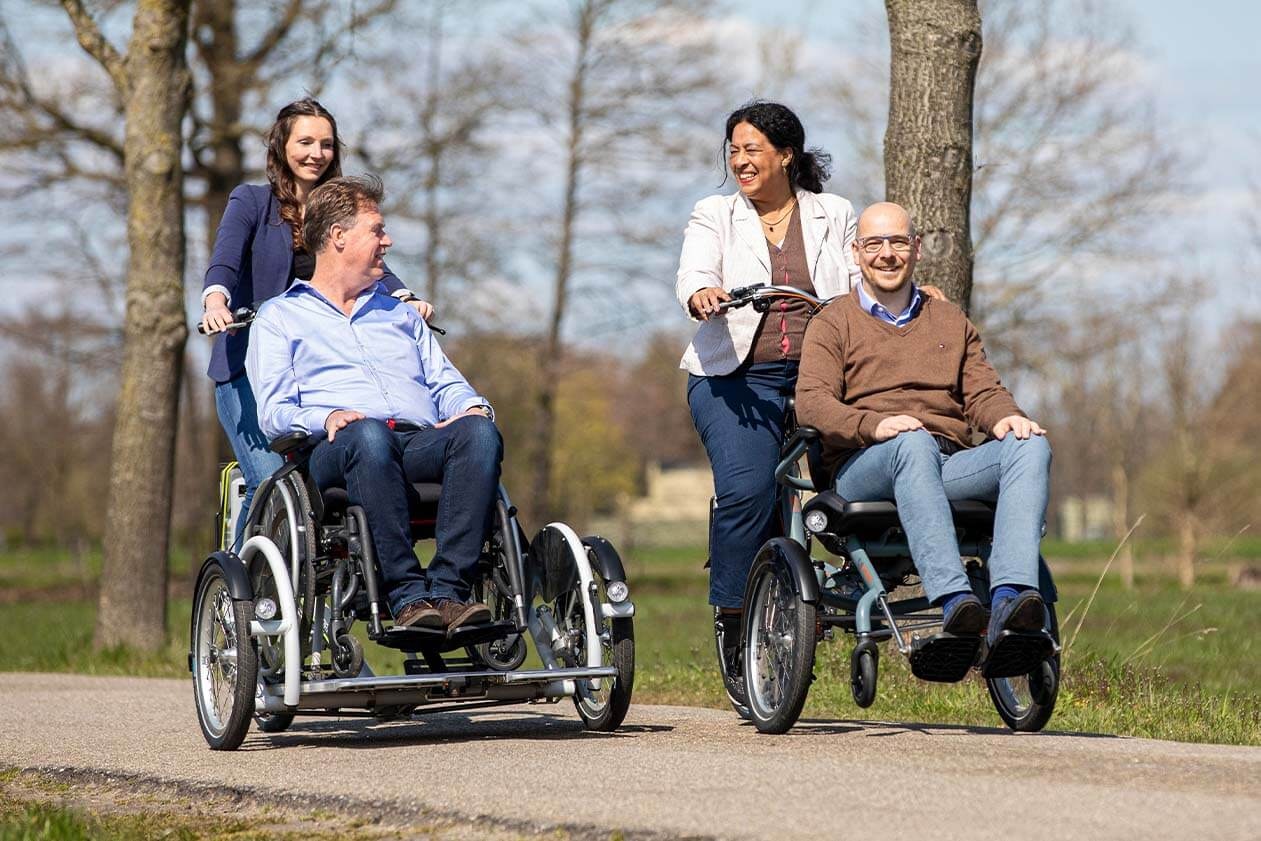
x=898, y=383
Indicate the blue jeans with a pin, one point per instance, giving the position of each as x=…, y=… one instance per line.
x=912, y=470
x=373, y=463
x=740, y=419
x=238, y=413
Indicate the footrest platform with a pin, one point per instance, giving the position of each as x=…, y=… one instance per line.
x=412, y=638
x=943, y=657
x=1017, y=653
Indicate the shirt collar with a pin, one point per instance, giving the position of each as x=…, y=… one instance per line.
x=875, y=308
x=304, y=286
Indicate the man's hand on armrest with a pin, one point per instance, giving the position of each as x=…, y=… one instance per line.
x=1019, y=425
x=484, y=411
x=340, y=419
x=892, y=427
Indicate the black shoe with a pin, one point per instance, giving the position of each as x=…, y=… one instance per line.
x=1025, y=612
x=727, y=630
x=965, y=618
x=1017, y=640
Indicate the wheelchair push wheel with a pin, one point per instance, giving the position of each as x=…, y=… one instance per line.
x=1026, y=702
x=779, y=637
x=280, y=516
x=225, y=664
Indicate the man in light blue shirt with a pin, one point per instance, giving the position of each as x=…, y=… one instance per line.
x=338, y=358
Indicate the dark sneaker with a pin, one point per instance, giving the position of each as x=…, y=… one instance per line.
x=458, y=614
x=727, y=632
x=964, y=616
x=1025, y=612
x=1017, y=641
x=418, y=614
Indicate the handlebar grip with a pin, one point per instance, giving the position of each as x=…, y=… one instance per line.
x=241, y=317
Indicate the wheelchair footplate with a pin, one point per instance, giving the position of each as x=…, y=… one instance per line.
x=412, y=638
x=944, y=657
x=1017, y=653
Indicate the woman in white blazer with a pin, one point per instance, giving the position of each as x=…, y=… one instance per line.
x=779, y=227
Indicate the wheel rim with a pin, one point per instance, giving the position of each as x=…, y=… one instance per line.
x=217, y=643
x=594, y=701
x=1018, y=695
x=771, y=640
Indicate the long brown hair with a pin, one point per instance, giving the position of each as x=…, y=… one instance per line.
x=278, y=172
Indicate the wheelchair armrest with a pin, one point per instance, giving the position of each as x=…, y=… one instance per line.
x=289, y=442
x=803, y=433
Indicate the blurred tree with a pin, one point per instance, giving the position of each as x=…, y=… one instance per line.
x=436, y=151
x=613, y=85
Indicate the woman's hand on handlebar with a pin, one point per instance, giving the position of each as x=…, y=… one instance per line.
x=704, y=303
x=217, y=315
x=423, y=308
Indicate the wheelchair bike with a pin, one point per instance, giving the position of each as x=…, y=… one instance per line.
x=794, y=600
x=271, y=630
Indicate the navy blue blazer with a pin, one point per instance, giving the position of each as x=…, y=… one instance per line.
x=252, y=259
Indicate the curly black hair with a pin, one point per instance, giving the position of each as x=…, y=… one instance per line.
x=807, y=170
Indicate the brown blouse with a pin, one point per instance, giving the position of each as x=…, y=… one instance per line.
x=783, y=326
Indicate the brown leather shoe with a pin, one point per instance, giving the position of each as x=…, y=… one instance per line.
x=419, y=614
x=458, y=614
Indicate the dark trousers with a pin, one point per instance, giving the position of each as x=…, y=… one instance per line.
x=374, y=463
x=740, y=419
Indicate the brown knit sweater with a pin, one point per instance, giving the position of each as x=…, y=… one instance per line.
x=857, y=370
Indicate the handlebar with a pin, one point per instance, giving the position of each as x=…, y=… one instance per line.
x=242, y=316
x=760, y=296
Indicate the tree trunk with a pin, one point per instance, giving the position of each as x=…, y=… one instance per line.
x=1121, y=525
x=1186, y=550
x=225, y=162
x=132, y=608
x=935, y=50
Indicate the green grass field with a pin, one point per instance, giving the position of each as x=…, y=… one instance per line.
x=1156, y=661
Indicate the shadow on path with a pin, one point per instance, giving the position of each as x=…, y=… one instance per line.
x=450, y=727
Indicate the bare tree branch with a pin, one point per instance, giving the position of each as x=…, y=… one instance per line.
x=96, y=45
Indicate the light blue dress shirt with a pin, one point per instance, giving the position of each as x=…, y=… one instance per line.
x=308, y=359
x=881, y=312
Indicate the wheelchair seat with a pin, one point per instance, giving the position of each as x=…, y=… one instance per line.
x=871, y=519
x=422, y=504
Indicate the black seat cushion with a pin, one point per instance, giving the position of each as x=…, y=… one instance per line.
x=875, y=517
x=422, y=505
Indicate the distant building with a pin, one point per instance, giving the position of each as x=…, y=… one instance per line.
x=1085, y=518
x=674, y=509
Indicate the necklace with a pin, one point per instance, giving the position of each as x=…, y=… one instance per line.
x=770, y=226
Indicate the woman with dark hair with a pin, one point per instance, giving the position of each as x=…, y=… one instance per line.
x=780, y=228
x=258, y=253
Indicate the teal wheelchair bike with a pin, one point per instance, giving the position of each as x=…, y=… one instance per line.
x=845, y=565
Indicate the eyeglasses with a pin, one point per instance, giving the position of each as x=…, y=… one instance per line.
x=899, y=243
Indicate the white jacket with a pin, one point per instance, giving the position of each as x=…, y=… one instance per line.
x=724, y=246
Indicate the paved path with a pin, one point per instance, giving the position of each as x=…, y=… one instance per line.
x=672, y=771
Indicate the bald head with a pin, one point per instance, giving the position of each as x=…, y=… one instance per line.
x=886, y=251
x=885, y=218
